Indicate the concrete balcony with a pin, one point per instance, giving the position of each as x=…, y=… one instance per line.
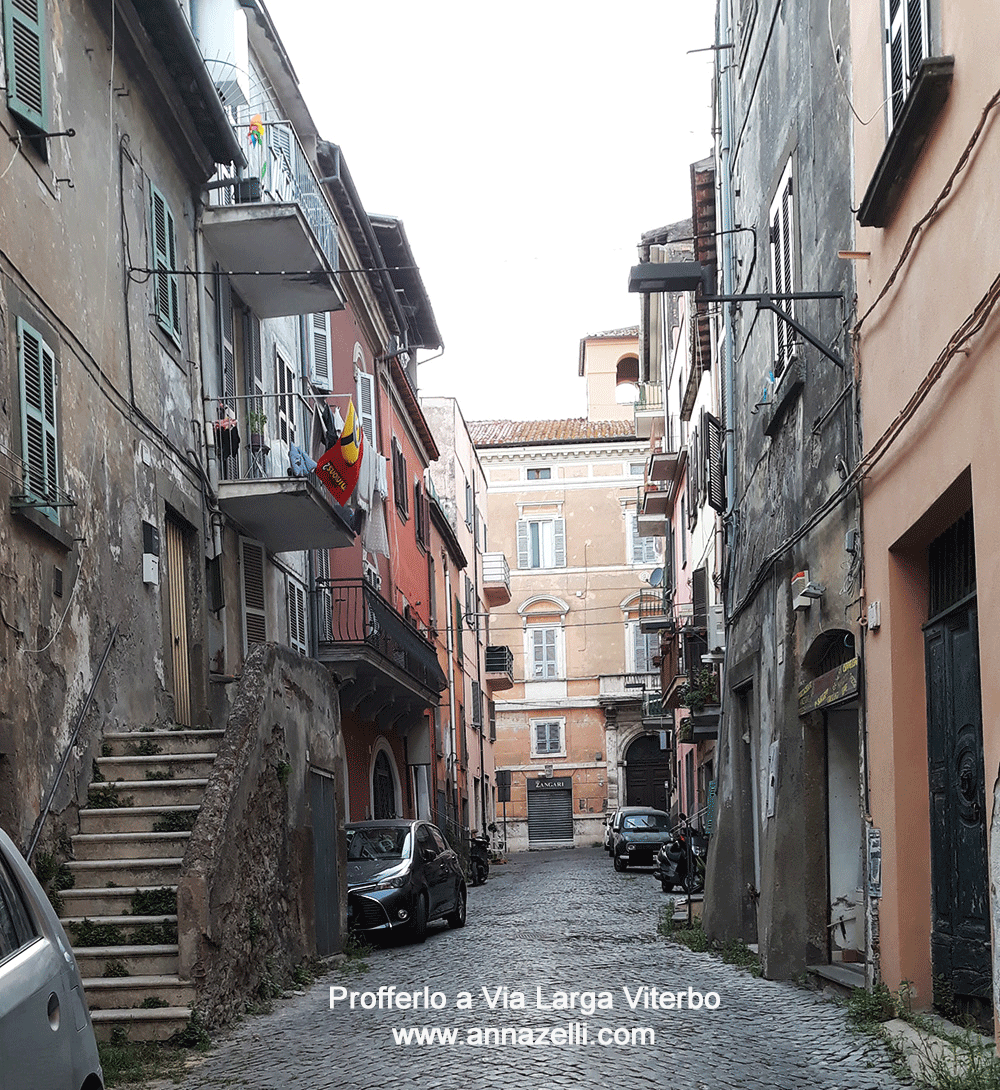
x=499, y=667
x=649, y=411
x=626, y=688
x=496, y=579
x=253, y=437
x=273, y=232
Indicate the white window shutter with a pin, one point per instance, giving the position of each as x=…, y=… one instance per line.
x=254, y=603
x=318, y=339
x=366, y=408
x=523, y=551
x=559, y=536
x=295, y=594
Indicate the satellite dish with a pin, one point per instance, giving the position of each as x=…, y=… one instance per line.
x=655, y=577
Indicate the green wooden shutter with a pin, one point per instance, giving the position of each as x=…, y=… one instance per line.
x=39, y=431
x=27, y=78
x=165, y=279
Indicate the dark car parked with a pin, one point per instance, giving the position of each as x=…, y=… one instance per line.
x=639, y=833
x=400, y=875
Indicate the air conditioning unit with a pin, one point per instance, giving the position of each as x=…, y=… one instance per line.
x=716, y=628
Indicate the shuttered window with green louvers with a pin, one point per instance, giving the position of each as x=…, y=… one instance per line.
x=26, y=42
x=166, y=282
x=39, y=421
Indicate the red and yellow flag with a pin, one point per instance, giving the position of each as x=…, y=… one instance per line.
x=340, y=467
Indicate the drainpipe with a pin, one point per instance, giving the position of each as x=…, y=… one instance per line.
x=476, y=567
x=723, y=70
x=450, y=644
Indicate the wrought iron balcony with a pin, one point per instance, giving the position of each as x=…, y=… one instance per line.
x=270, y=227
x=496, y=579
x=656, y=610
x=387, y=669
x=499, y=667
x=253, y=439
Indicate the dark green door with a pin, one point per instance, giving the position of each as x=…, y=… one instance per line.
x=960, y=937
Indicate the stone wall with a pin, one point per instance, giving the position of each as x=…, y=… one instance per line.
x=246, y=902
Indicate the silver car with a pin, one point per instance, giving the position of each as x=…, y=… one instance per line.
x=46, y=1038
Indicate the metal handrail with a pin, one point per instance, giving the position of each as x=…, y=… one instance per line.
x=69, y=748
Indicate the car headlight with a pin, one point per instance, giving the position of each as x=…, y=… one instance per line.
x=392, y=883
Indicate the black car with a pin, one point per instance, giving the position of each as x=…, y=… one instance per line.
x=639, y=834
x=400, y=875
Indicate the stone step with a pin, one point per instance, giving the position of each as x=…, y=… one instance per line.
x=109, y=901
x=143, y=793
x=124, y=930
x=140, y=1024
x=135, y=819
x=109, y=846
x=98, y=873
x=116, y=992
x=93, y=961
x=176, y=766
x=132, y=742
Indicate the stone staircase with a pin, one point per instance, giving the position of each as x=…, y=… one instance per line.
x=121, y=913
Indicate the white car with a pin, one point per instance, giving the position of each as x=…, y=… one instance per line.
x=46, y=1037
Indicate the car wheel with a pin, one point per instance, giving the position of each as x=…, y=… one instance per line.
x=418, y=925
x=621, y=862
x=457, y=918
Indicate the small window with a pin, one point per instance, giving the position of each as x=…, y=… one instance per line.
x=469, y=506
x=642, y=550
x=907, y=42
x=544, y=474
x=547, y=737
x=318, y=350
x=166, y=282
x=783, y=273
x=399, y=483
x=298, y=639
x=637, y=469
x=284, y=384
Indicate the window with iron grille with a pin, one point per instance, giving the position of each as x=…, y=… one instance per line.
x=951, y=566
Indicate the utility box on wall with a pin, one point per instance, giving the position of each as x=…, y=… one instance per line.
x=150, y=554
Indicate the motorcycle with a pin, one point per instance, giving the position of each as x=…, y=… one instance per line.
x=479, y=859
x=681, y=861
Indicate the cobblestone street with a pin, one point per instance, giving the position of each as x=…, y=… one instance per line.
x=552, y=921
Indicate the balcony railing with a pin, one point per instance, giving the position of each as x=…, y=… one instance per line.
x=274, y=218
x=649, y=410
x=496, y=579
x=627, y=686
x=656, y=610
x=354, y=616
x=265, y=485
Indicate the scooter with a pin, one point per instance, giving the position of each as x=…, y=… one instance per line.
x=479, y=859
x=681, y=861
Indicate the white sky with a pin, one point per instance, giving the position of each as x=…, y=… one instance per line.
x=525, y=147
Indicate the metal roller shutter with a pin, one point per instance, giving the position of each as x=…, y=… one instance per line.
x=550, y=817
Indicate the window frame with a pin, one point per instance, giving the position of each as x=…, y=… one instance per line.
x=526, y=551
x=783, y=262
x=900, y=27
x=647, y=545
x=553, y=664
x=633, y=637
x=559, y=723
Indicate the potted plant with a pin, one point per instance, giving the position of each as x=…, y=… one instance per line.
x=257, y=426
x=702, y=690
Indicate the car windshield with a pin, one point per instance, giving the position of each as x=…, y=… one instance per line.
x=648, y=822
x=388, y=844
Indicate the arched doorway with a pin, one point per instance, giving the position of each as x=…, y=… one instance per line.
x=647, y=773
x=383, y=788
